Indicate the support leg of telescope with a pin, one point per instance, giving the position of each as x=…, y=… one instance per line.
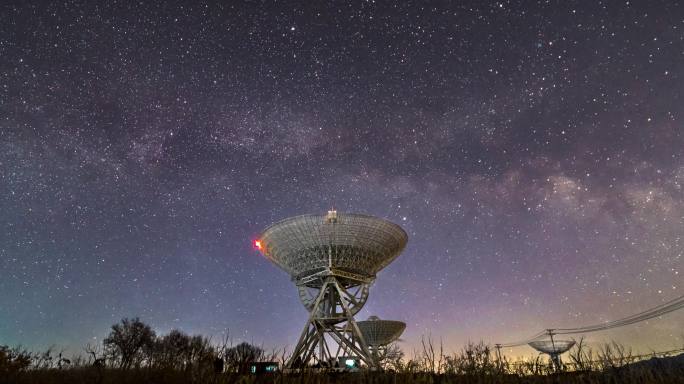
x=349, y=337
x=348, y=345
x=557, y=365
x=308, y=336
x=304, y=348
x=355, y=334
x=309, y=346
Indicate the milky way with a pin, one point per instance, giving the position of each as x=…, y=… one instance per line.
x=534, y=155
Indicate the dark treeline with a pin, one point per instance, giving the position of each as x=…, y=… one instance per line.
x=133, y=348
x=133, y=353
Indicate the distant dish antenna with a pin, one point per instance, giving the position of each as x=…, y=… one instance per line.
x=332, y=260
x=380, y=333
x=553, y=348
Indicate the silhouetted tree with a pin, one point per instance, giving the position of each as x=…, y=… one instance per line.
x=13, y=360
x=178, y=351
x=201, y=352
x=170, y=351
x=218, y=365
x=391, y=357
x=242, y=354
x=474, y=359
x=127, y=340
x=432, y=360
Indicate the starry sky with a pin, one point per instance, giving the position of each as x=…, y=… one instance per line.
x=532, y=151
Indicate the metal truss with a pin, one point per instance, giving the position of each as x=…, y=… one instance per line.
x=331, y=331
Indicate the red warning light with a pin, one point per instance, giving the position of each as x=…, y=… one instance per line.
x=257, y=244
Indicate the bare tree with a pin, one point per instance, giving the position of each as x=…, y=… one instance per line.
x=127, y=340
x=242, y=354
x=474, y=359
x=432, y=360
x=614, y=355
x=13, y=360
x=581, y=356
x=531, y=366
x=391, y=357
x=94, y=353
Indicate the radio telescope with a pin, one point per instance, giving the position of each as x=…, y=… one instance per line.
x=332, y=260
x=380, y=333
x=553, y=348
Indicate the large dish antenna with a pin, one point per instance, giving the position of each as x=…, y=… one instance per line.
x=332, y=259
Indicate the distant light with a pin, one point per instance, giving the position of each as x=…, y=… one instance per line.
x=350, y=363
x=257, y=244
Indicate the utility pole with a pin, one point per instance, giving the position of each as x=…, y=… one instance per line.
x=499, y=363
x=555, y=356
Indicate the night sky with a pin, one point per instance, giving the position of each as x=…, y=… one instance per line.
x=533, y=153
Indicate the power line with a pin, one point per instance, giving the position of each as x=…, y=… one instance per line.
x=657, y=311
x=523, y=342
x=660, y=310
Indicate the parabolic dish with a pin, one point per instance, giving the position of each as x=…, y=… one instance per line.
x=557, y=347
x=378, y=332
x=308, y=244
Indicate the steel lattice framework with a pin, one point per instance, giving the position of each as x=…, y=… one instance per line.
x=306, y=245
x=332, y=259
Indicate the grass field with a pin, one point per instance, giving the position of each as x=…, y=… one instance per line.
x=107, y=376
x=133, y=353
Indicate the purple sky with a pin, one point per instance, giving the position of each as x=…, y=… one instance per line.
x=532, y=153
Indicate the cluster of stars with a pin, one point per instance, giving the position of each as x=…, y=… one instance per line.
x=533, y=154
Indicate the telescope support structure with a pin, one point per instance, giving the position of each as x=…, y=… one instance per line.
x=331, y=331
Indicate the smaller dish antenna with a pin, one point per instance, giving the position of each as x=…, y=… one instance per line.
x=379, y=334
x=553, y=348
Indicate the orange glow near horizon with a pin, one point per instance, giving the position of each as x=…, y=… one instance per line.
x=257, y=244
